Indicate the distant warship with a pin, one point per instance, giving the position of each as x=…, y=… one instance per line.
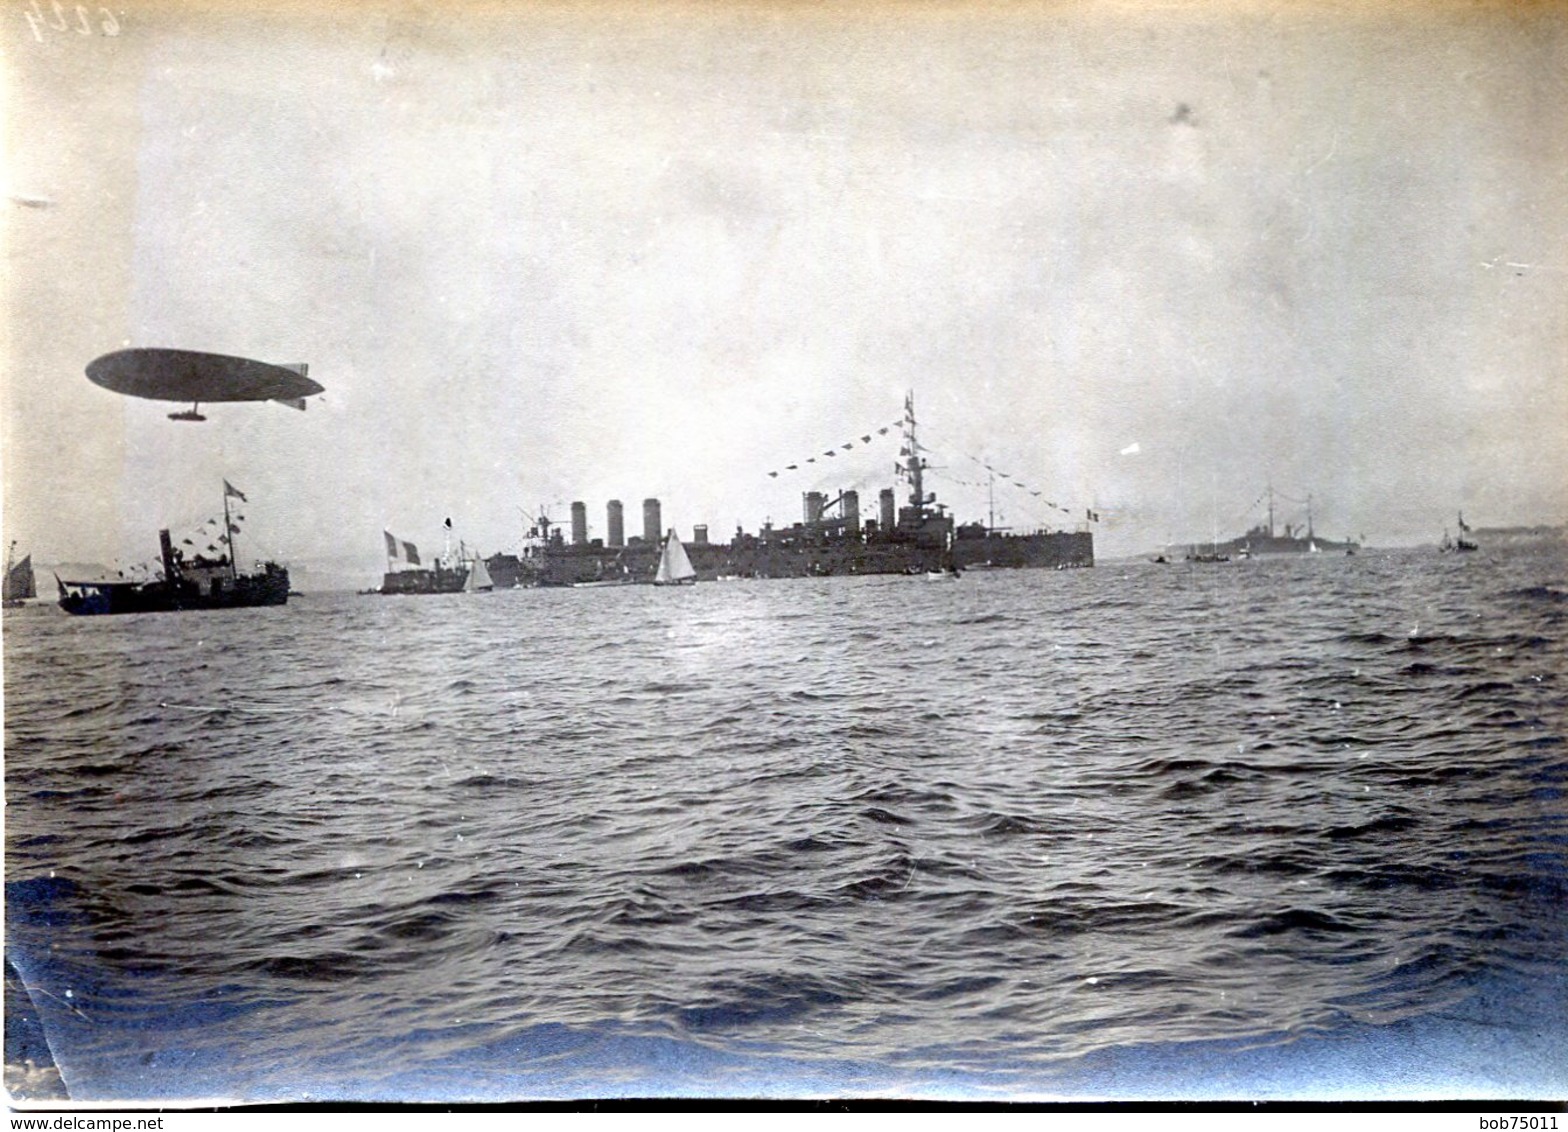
x=919, y=537
x=1265, y=539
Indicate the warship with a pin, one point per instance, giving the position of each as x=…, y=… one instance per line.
x=918, y=536
x=1267, y=539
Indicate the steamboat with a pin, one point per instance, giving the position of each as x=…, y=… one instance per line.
x=194, y=583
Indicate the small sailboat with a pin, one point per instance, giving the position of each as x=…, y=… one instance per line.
x=478, y=577
x=19, y=582
x=675, y=568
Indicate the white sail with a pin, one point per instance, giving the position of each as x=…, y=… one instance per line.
x=674, y=566
x=478, y=577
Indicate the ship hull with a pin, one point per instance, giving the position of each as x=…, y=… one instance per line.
x=1259, y=546
x=94, y=599
x=439, y=580
x=506, y=570
x=1053, y=550
x=752, y=557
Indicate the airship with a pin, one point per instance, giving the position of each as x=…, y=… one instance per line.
x=189, y=375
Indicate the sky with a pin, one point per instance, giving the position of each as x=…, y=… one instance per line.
x=1146, y=259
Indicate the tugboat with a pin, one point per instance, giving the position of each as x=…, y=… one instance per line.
x=197, y=583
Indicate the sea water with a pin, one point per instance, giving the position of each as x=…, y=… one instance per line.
x=1285, y=827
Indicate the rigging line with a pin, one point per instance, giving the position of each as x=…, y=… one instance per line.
x=1005, y=480
x=862, y=440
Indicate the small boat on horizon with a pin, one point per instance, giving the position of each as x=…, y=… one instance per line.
x=1461, y=544
x=675, y=568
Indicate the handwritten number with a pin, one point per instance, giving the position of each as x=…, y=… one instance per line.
x=37, y=21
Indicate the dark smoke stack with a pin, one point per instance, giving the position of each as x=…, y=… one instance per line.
x=652, y=527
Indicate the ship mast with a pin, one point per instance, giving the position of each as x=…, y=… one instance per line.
x=1271, y=510
x=913, y=465
x=228, y=537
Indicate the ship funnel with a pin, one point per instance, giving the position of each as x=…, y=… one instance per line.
x=652, y=528
x=579, y=524
x=166, y=547
x=888, y=508
x=813, y=503
x=852, y=513
x=617, y=524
